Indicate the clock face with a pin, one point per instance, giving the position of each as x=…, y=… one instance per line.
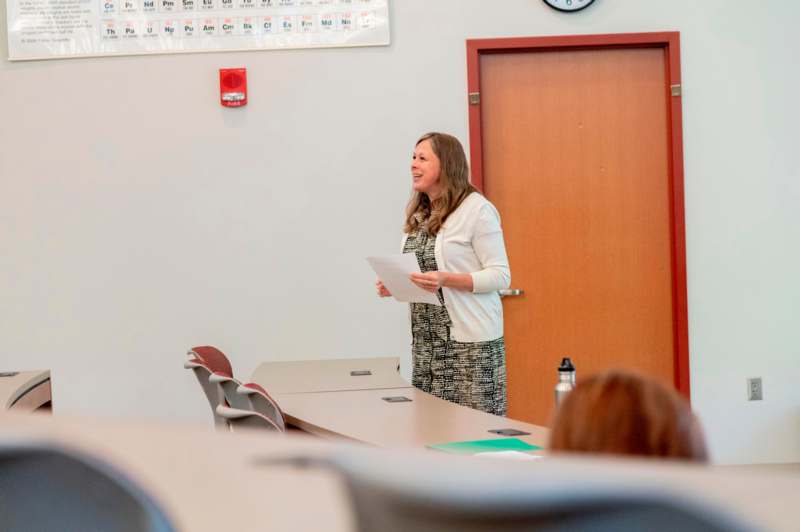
x=568, y=5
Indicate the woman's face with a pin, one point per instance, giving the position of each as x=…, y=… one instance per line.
x=425, y=170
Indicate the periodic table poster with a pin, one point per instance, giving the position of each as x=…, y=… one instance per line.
x=52, y=29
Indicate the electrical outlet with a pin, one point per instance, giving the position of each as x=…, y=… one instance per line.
x=755, y=391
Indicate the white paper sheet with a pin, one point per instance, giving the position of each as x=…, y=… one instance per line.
x=394, y=272
x=511, y=455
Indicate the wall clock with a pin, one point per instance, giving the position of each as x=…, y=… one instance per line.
x=569, y=6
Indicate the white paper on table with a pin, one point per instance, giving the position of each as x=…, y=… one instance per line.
x=510, y=455
x=394, y=272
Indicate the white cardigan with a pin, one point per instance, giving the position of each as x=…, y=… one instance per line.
x=471, y=241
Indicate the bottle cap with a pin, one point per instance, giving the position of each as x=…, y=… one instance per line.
x=566, y=365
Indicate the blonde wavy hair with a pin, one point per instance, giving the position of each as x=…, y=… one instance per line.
x=454, y=180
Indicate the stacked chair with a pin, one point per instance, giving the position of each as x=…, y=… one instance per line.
x=234, y=405
x=263, y=404
x=204, y=361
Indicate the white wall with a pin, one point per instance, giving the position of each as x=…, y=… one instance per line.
x=138, y=217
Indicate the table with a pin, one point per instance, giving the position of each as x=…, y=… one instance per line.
x=204, y=480
x=207, y=480
x=305, y=376
x=323, y=398
x=364, y=416
x=25, y=391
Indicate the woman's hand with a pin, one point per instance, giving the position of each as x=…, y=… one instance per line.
x=382, y=291
x=430, y=281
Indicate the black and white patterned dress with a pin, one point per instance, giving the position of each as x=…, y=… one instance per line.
x=472, y=374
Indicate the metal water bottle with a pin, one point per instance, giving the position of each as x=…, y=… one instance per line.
x=566, y=379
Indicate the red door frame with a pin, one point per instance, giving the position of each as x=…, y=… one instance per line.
x=670, y=42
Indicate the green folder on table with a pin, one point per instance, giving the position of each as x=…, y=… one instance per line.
x=481, y=446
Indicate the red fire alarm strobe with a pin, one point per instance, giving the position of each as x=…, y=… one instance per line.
x=233, y=87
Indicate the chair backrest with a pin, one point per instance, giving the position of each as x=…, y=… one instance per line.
x=212, y=391
x=263, y=403
x=213, y=358
x=228, y=386
x=394, y=493
x=48, y=488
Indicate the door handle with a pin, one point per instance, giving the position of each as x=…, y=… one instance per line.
x=511, y=292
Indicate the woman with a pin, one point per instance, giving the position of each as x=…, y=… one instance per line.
x=457, y=349
x=624, y=413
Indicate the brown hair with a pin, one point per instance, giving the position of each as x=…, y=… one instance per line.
x=624, y=413
x=454, y=180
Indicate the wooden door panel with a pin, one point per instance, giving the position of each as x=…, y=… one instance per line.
x=576, y=158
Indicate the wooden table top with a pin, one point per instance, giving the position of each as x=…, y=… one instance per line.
x=208, y=481
x=363, y=415
x=303, y=376
x=204, y=480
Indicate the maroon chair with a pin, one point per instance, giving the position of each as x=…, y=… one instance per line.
x=263, y=404
x=229, y=386
x=205, y=361
x=213, y=358
x=248, y=406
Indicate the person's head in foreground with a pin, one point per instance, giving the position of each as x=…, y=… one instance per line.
x=624, y=413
